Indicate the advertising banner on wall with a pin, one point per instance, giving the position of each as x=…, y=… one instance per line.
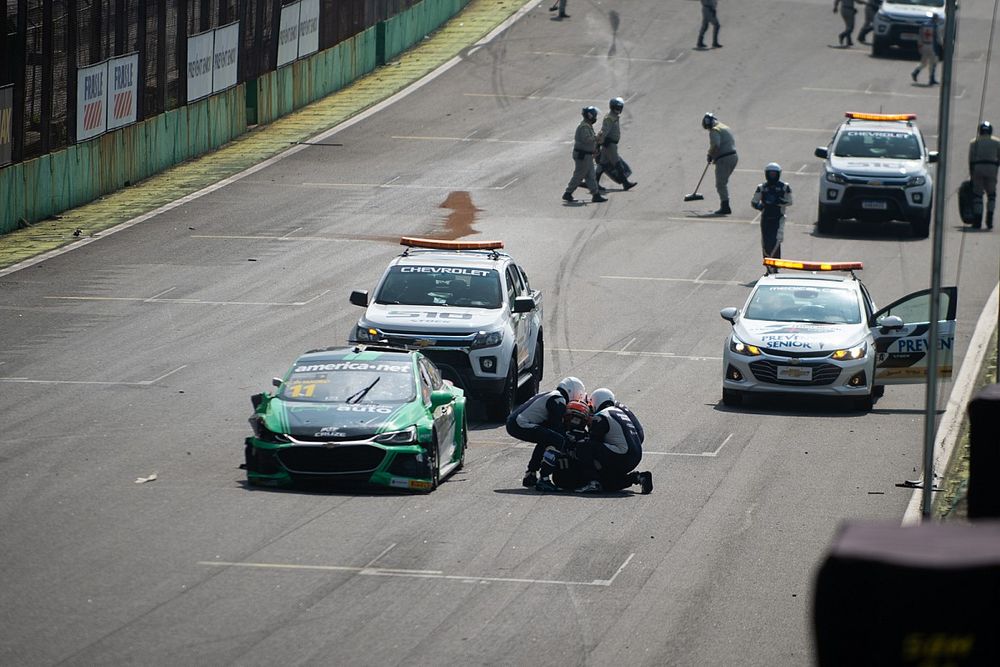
x=6, y=124
x=288, y=35
x=226, y=58
x=308, y=27
x=91, y=98
x=199, y=65
x=123, y=90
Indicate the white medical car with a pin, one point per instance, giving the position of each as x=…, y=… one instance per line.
x=468, y=307
x=817, y=331
x=876, y=170
x=898, y=21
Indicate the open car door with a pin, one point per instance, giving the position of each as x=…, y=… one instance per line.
x=901, y=353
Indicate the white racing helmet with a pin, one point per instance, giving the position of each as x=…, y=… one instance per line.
x=601, y=398
x=572, y=388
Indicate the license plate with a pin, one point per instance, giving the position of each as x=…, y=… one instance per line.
x=908, y=35
x=874, y=205
x=800, y=373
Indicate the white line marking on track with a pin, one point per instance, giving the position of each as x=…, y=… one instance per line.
x=411, y=186
x=816, y=130
x=237, y=237
x=140, y=383
x=199, y=302
x=659, y=355
x=384, y=552
x=697, y=280
x=157, y=296
x=484, y=140
x=715, y=218
x=419, y=574
x=602, y=57
x=710, y=455
x=869, y=91
x=622, y=351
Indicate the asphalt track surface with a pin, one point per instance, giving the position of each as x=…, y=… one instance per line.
x=138, y=353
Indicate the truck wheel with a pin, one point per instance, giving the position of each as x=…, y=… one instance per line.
x=921, y=226
x=533, y=386
x=501, y=406
x=826, y=221
x=879, y=48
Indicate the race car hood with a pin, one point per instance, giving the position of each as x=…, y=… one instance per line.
x=440, y=319
x=338, y=421
x=798, y=336
x=888, y=168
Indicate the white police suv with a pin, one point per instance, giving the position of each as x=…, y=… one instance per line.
x=898, y=21
x=820, y=333
x=469, y=308
x=876, y=170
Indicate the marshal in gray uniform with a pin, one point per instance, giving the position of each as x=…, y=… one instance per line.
x=584, y=147
x=709, y=17
x=610, y=161
x=984, y=160
x=847, y=12
x=871, y=9
x=722, y=152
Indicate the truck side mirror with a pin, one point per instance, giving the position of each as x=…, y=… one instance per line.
x=359, y=297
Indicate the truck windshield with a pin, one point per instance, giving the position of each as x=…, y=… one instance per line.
x=441, y=286
x=876, y=144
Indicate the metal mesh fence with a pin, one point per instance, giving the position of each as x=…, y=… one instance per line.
x=44, y=42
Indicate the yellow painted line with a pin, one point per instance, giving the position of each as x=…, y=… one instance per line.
x=467, y=27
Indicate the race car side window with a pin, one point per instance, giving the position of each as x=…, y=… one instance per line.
x=425, y=383
x=433, y=374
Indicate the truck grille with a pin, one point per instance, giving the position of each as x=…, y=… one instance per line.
x=822, y=374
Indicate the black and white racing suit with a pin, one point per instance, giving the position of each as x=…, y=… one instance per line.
x=539, y=420
x=614, y=449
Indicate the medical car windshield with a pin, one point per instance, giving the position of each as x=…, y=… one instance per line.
x=817, y=305
x=874, y=144
x=441, y=286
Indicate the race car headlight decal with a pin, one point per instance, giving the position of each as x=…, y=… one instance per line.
x=405, y=437
x=851, y=353
x=366, y=334
x=834, y=177
x=916, y=181
x=487, y=339
x=739, y=347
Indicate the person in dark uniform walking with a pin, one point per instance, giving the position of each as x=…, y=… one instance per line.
x=709, y=17
x=984, y=160
x=607, y=141
x=871, y=9
x=847, y=12
x=584, y=147
x=771, y=198
x=559, y=6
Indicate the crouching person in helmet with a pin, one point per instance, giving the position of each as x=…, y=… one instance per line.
x=771, y=198
x=540, y=420
x=610, y=162
x=614, y=448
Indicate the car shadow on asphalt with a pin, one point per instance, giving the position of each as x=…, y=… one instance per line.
x=882, y=231
x=327, y=489
x=790, y=405
x=531, y=492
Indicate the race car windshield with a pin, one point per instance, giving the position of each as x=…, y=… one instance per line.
x=872, y=144
x=336, y=382
x=816, y=305
x=441, y=286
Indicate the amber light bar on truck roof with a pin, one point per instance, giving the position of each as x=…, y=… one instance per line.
x=856, y=115
x=812, y=266
x=414, y=242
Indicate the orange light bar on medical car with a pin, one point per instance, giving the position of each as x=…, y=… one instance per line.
x=812, y=266
x=880, y=116
x=414, y=242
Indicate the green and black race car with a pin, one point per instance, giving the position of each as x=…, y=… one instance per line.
x=370, y=414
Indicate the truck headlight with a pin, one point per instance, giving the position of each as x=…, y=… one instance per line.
x=487, y=339
x=739, y=347
x=834, y=177
x=915, y=181
x=366, y=335
x=851, y=353
x=405, y=437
